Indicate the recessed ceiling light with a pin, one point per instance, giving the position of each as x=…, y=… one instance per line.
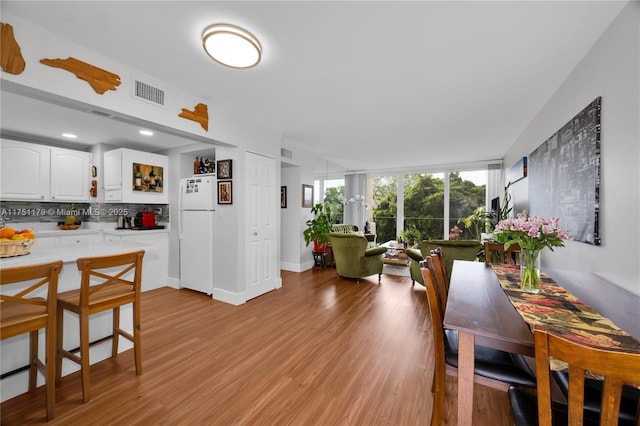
x=70, y=135
x=146, y=132
x=232, y=46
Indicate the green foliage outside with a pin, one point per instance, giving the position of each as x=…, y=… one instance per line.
x=424, y=206
x=335, y=207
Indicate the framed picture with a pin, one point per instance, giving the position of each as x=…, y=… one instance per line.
x=224, y=192
x=147, y=178
x=224, y=169
x=307, y=195
x=283, y=197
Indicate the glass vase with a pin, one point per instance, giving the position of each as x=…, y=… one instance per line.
x=530, y=270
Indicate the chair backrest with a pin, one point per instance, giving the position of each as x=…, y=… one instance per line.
x=439, y=374
x=496, y=254
x=344, y=228
x=616, y=367
x=103, y=274
x=32, y=289
x=440, y=275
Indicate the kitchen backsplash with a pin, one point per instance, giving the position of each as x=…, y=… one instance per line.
x=21, y=211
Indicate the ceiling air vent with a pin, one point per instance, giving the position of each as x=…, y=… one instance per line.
x=148, y=93
x=286, y=153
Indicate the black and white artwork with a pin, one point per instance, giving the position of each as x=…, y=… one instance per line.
x=564, y=176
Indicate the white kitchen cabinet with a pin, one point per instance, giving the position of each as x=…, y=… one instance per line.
x=70, y=176
x=25, y=171
x=32, y=172
x=120, y=185
x=155, y=264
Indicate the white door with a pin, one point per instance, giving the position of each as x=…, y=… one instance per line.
x=260, y=220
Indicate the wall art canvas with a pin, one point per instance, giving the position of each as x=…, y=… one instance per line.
x=564, y=176
x=147, y=178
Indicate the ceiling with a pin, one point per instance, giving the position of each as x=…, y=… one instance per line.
x=367, y=85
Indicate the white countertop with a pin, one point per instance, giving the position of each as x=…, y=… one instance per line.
x=71, y=252
x=87, y=228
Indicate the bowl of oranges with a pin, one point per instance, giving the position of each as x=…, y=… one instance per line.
x=15, y=242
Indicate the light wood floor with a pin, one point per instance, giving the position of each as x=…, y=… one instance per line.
x=319, y=351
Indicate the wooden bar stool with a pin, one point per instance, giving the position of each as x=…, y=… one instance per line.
x=104, y=285
x=30, y=307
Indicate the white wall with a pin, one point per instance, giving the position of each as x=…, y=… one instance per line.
x=298, y=255
x=611, y=69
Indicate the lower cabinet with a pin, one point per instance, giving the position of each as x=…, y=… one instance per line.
x=155, y=269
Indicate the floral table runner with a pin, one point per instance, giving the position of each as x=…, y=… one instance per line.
x=562, y=312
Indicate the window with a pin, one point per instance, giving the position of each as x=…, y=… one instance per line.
x=385, y=206
x=415, y=205
x=423, y=207
x=467, y=204
x=333, y=189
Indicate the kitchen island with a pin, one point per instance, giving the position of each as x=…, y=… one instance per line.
x=68, y=246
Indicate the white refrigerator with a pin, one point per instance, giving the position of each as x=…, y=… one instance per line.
x=196, y=224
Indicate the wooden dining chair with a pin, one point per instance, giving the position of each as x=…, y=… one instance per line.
x=440, y=274
x=493, y=368
x=27, y=304
x=107, y=282
x=495, y=253
x=616, y=368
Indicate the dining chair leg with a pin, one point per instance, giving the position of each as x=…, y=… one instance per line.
x=59, y=326
x=84, y=356
x=137, y=348
x=116, y=331
x=51, y=369
x=33, y=357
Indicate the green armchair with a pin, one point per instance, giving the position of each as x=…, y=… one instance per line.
x=451, y=249
x=348, y=229
x=352, y=257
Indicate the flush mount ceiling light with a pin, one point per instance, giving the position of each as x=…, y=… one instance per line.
x=232, y=46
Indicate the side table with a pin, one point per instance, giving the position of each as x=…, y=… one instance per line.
x=318, y=260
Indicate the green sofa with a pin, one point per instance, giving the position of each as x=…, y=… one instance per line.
x=352, y=256
x=451, y=249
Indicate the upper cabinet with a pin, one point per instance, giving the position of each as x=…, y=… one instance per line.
x=135, y=177
x=70, y=175
x=32, y=172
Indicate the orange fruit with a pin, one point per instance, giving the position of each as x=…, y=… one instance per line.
x=7, y=232
x=28, y=234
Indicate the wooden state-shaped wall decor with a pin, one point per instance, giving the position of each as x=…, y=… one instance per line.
x=12, y=60
x=101, y=80
x=199, y=114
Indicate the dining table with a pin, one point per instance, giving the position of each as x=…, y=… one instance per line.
x=481, y=306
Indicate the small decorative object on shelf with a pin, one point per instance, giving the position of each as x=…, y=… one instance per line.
x=203, y=166
x=532, y=234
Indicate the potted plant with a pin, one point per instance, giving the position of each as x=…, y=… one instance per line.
x=318, y=228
